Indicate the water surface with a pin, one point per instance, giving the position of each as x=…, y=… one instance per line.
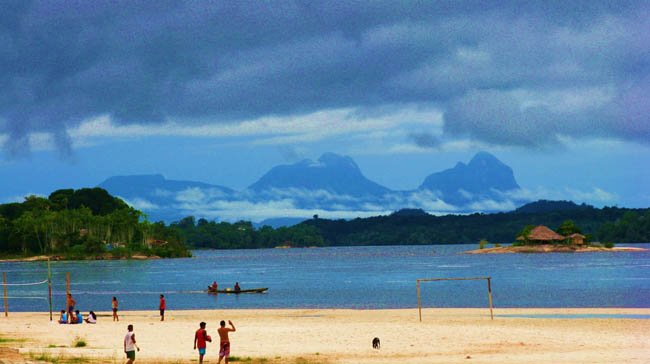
x=343, y=277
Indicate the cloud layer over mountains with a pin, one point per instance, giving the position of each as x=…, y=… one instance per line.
x=332, y=186
x=508, y=73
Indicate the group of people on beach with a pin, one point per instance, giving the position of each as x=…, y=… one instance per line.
x=201, y=340
x=72, y=316
x=201, y=337
x=161, y=306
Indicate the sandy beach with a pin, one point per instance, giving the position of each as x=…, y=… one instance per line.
x=344, y=336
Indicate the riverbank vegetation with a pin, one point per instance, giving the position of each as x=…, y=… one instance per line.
x=92, y=224
x=87, y=223
x=415, y=227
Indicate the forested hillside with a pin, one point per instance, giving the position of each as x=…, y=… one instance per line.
x=84, y=223
x=619, y=225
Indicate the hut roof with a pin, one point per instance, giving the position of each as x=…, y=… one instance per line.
x=576, y=235
x=543, y=233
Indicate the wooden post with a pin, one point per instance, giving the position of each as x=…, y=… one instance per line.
x=49, y=286
x=490, y=298
x=419, y=304
x=67, y=284
x=4, y=286
x=455, y=279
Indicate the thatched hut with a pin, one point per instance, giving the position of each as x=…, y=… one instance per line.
x=543, y=235
x=576, y=239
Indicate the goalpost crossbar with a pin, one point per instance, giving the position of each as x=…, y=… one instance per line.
x=489, y=289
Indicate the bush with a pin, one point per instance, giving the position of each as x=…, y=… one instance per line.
x=76, y=252
x=121, y=252
x=608, y=245
x=79, y=342
x=483, y=243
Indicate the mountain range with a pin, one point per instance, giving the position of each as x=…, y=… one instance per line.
x=333, y=186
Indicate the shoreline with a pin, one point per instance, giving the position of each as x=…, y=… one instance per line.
x=58, y=258
x=549, y=248
x=332, y=336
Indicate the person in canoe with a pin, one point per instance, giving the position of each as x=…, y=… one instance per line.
x=237, y=288
x=213, y=287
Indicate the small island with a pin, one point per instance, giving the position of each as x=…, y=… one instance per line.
x=541, y=239
x=83, y=224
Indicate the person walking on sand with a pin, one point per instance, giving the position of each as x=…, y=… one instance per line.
x=162, y=307
x=70, y=303
x=224, y=346
x=115, y=304
x=200, y=338
x=130, y=345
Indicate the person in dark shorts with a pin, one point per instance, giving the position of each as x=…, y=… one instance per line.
x=162, y=306
x=115, y=305
x=129, y=345
x=70, y=303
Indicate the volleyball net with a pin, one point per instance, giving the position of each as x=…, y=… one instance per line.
x=9, y=295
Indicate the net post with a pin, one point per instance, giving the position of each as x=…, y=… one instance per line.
x=4, y=286
x=49, y=286
x=67, y=283
x=489, y=287
x=417, y=283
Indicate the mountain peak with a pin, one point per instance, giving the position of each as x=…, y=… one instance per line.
x=484, y=177
x=334, y=160
x=485, y=158
x=331, y=172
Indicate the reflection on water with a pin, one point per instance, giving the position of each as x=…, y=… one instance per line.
x=350, y=277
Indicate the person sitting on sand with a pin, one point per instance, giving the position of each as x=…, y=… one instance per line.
x=237, y=288
x=224, y=346
x=72, y=318
x=79, y=317
x=63, y=319
x=92, y=318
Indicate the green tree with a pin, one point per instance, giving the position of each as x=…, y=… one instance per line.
x=567, y=228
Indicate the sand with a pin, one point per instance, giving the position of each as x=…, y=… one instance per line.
x=345, y=336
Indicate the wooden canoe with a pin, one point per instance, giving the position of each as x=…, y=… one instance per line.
x=232, y=291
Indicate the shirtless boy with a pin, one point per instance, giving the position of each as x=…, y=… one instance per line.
x=224, y=347
x=70, y=303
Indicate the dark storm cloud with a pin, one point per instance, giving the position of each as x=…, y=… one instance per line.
x=425, y=140
x=146, y=62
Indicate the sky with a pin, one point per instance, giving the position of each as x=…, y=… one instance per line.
x=220, y=92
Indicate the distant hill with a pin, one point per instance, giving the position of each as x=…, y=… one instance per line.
x=619, y=225
x=148, y=184
x=164, y=199
x=280, y=222
x=484, y=177
x=331, y=172
x=548, y=206
x=409, y=212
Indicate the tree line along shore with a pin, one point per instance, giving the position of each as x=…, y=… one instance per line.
x=89, y=223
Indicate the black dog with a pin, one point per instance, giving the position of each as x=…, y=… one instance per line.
x=375, y=343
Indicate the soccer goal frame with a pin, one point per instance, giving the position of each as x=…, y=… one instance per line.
x=489, y=289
